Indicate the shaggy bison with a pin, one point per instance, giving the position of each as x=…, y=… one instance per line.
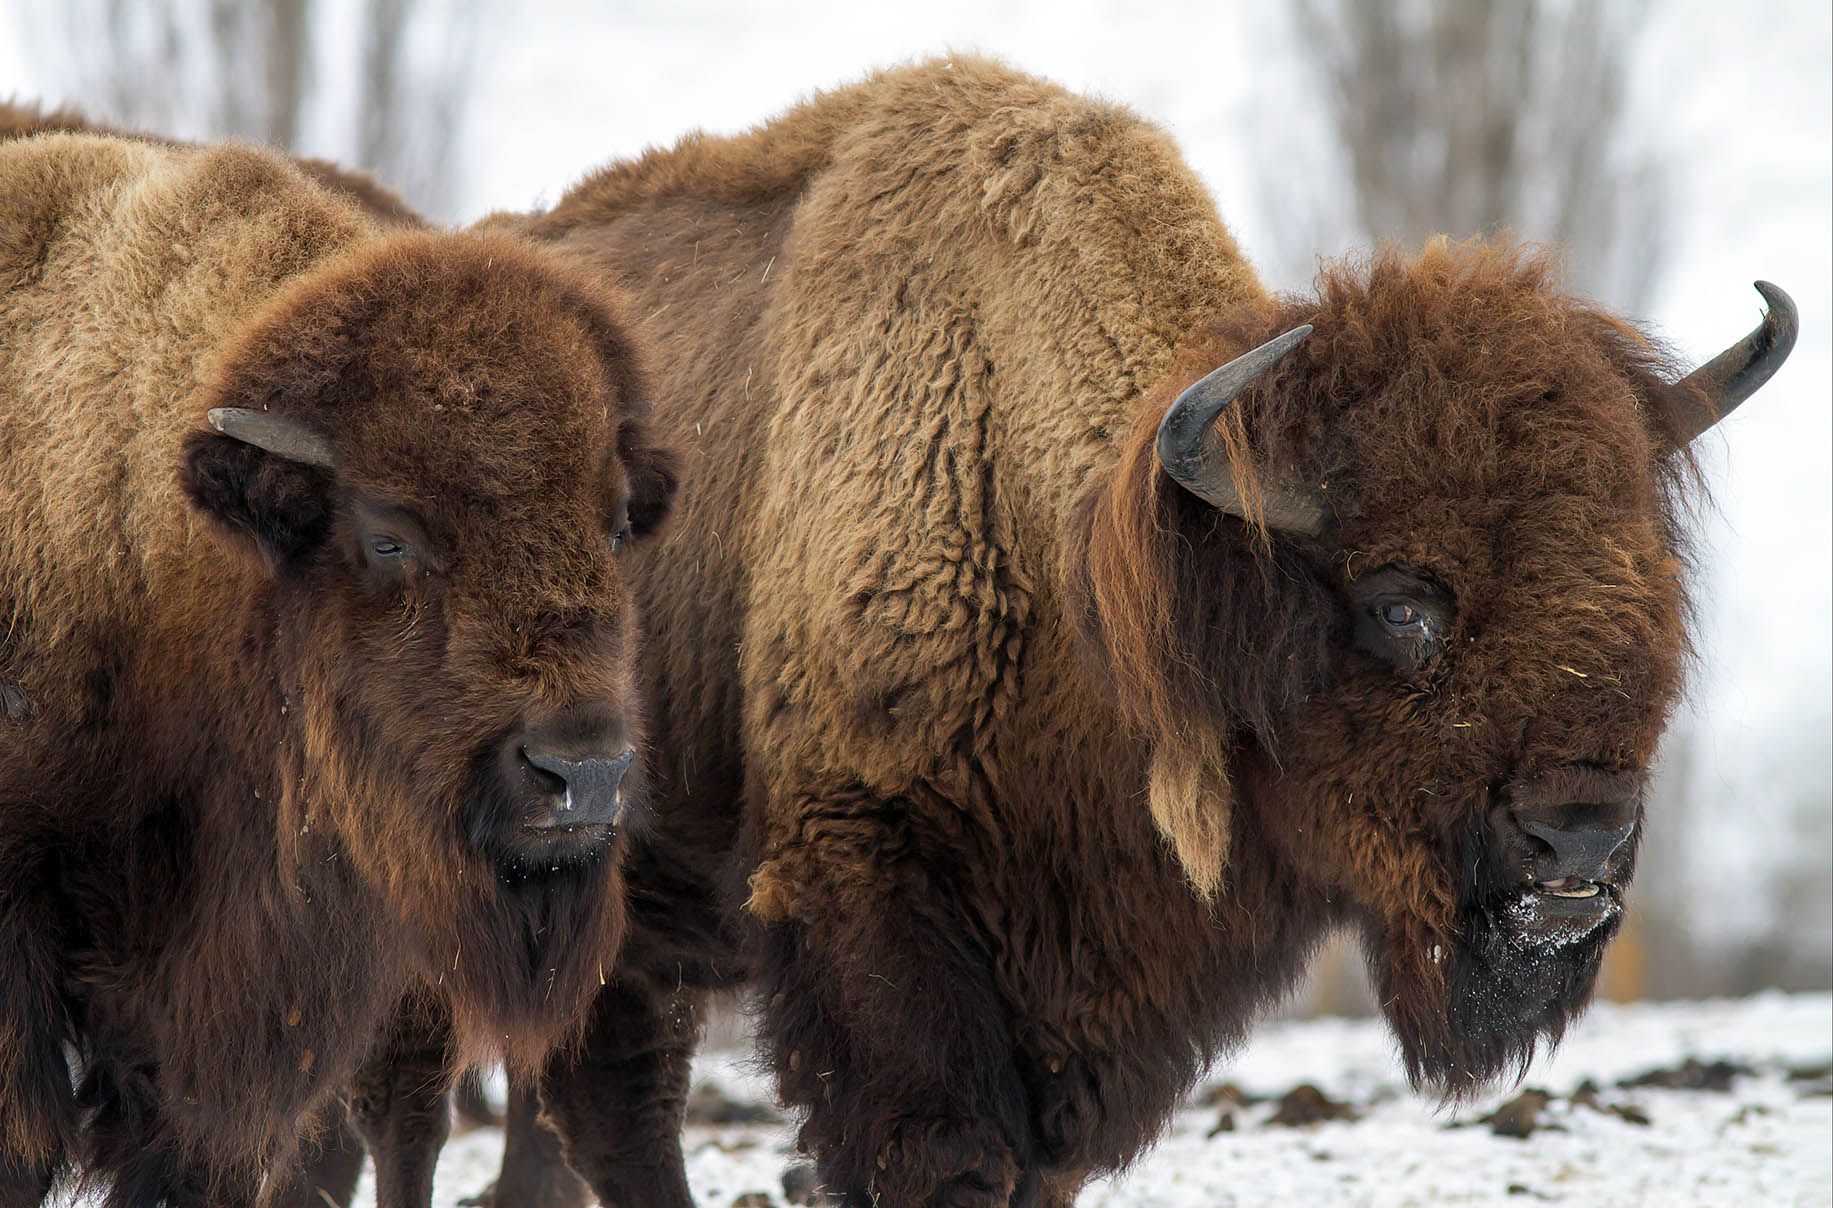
x=1075, y=634
x=308, y=572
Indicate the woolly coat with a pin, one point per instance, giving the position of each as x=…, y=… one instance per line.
x=967, y=699
x=894, y=387
x=233, y=813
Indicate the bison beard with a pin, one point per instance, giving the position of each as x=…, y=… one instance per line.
x=301, y=513
x=1497, y=995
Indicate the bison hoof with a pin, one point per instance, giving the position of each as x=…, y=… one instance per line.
x=941, y=1165
x=559, y=1190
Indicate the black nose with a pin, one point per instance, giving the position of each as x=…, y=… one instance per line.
x=1578, y=839
x=590, y=785
x=581, y=768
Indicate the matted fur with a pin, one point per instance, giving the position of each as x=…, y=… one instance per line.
x=235, y=830
x=1025, y=780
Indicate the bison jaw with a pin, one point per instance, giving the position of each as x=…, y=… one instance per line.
x=1475, y=1010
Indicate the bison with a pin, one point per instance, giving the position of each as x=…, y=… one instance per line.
x=1074, y=634
x=322, y=662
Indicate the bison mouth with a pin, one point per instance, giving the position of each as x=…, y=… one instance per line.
x=1562, y=911
x=1512, y=982
x=1521, y=967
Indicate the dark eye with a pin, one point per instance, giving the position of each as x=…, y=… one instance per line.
x=618, y=540
x=1403, y=617
x=387, y=547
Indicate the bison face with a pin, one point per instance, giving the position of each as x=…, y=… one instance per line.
x=440, y=453
x=1415, y=567
x=1466, y=773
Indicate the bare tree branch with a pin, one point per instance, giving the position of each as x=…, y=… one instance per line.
x=1469, y=116
x=248, y=69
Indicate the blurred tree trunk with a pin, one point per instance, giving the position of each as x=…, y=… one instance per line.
x=256, y=70
x=1465, y=117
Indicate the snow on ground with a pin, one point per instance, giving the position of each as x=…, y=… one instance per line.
x=1767, y=1140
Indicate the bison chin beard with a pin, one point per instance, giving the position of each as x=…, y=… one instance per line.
x=1474, y=1011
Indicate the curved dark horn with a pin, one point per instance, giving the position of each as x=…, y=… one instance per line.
x=1184, y=451
x=281, y=437
x=1735, y=374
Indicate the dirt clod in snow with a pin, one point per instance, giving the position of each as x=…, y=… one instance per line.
x=710, y=1105
x=1692, y=1075
x=1520, y=1116
x=1306, y=1104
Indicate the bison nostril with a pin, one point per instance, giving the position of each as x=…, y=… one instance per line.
x=590, y=784
x=545, y=780
x=1581, y=852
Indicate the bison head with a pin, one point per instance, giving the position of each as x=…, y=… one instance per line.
x=1412, y=578
x=438, y=448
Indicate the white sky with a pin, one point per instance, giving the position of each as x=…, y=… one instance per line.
x=1741, y=94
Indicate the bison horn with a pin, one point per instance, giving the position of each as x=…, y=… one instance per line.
x=1184, y=449
x=1735, y=374
x=281, y=437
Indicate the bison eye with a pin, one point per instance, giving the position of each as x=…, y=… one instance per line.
x=1402, y=617
x=387, y=547
x=619, y=539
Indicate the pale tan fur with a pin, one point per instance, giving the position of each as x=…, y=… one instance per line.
x=1007, y=306
x=120, y=274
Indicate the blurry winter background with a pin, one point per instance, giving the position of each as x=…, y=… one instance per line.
x=1679, y=149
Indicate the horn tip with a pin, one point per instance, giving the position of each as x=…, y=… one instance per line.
x=1777, y=297
x=1782, y=319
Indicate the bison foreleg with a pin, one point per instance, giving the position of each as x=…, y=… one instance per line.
x=324, y=1171
x=37, y=1109
x=620, y=1098
x=399, y=1105
x=884, y=1024
x=534, y=1174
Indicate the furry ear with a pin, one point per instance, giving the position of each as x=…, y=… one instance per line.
x=283, y=506
x=654, y=473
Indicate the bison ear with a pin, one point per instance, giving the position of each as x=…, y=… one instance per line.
x=654, y=473
x=282, y=505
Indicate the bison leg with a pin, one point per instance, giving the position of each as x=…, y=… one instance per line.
x=619, y=1099
x=38, y=1112
x=884, y=1024
x=399, y=1104
x=534, y=1173
x=324, y=1173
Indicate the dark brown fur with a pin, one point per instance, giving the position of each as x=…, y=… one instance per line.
x=249, y=812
